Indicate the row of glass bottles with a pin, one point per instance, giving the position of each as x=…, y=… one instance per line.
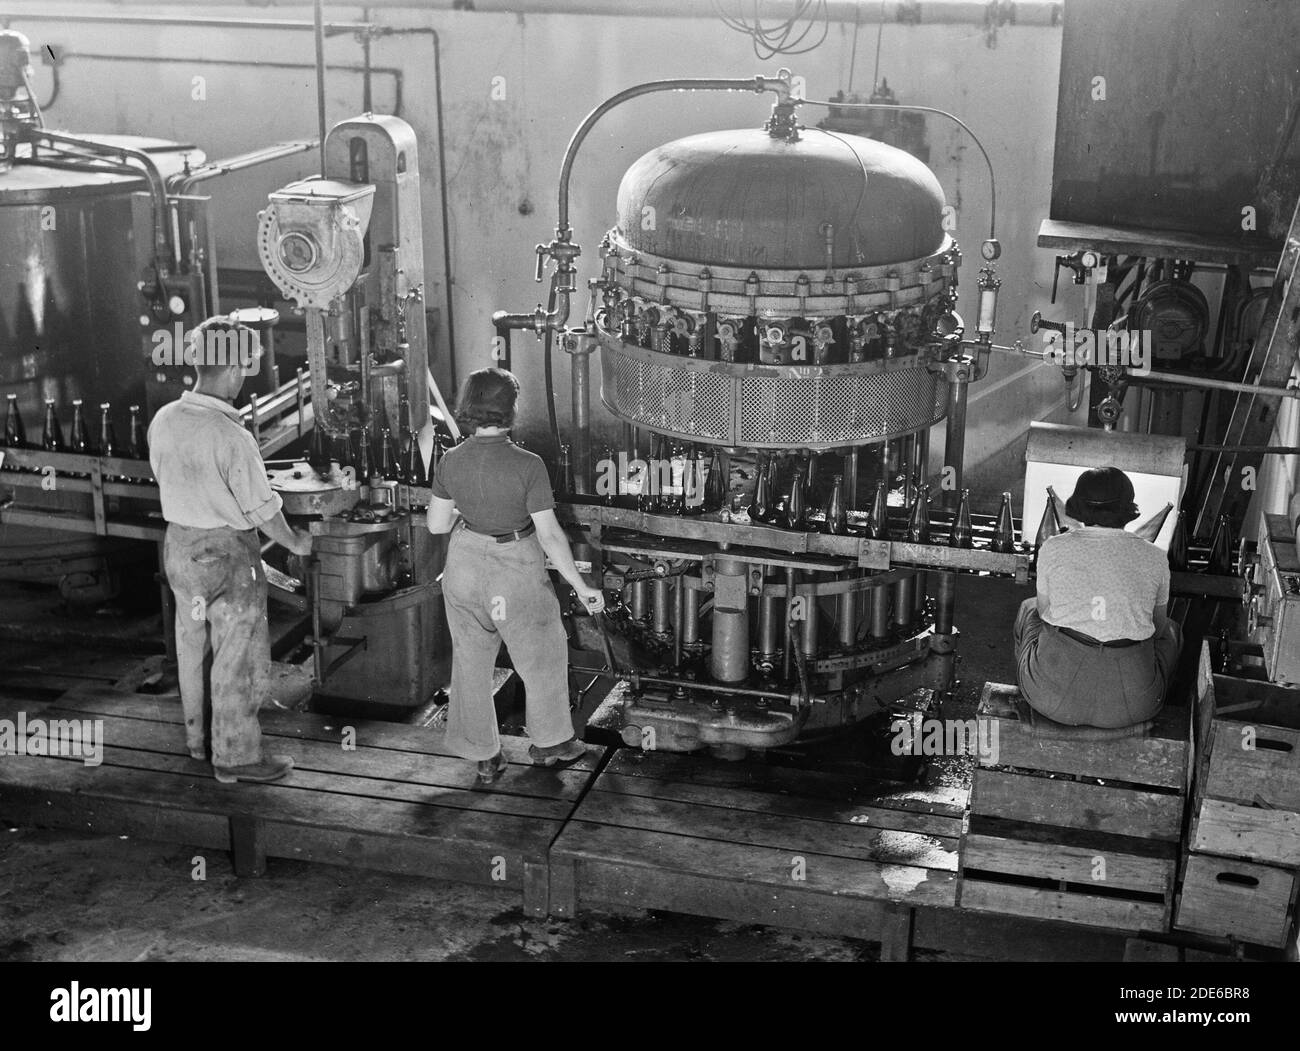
x=81, y=441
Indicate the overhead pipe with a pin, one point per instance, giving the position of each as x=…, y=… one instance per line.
x=562, y=250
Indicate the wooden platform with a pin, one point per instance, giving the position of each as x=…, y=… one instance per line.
x=396, y=801
x=760, y=844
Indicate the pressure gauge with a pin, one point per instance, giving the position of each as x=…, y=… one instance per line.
x=991, y=249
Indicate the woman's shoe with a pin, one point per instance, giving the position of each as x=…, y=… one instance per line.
x=491, y=769
x=558, y=754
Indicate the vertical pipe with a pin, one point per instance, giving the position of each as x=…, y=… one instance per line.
x=923, y=454
x=729, y=658
x=954, y=447
x=904, y=592
x=662, y=595
x=880, y=611
x=791, y=580
x=768, y=622
x=579, y=369
x=851, y=481
x=848, y=603
x=319, y=15
x=688, y=627
x=679, y=618
x=637, y=590
x=808, y=630
x=945, y=600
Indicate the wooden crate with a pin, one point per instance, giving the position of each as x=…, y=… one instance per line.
x=1239, y=876
x=396, y=802
x=1074, y=827
x=760, y=844
x=1246, y=802
x=1240, y=899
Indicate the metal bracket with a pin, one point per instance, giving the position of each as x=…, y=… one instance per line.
x=873, y=554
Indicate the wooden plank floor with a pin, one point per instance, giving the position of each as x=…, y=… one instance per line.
x=394, y=801
x=759, y=844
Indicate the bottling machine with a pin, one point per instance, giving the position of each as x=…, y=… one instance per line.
x=779, y=304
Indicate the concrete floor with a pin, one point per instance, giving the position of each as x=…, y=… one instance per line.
x=68, y=896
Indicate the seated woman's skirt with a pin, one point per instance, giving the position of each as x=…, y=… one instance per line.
x=1085, y=684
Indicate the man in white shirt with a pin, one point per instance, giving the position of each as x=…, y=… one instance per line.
x=1096, y=646
x=215, y=497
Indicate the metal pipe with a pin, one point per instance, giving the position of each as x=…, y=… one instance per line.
x=662, y=622
x=184, y=182
x=945, y=600
x=157, y=188
x=808, y=629
x=637, y=590
x=637, y=679
x=1154, y=379
x=903, y=602
x=768, y=639
x=1280, y=450
x=277, y=24
x=880, y=611
x=729, y=658
x=688, y=628
x=937, y=12
x=954, y=446
x=787, y=640
x=580, y=377
x=318, y=14
x=679, y=617
x=757, y=84
x=848, y=620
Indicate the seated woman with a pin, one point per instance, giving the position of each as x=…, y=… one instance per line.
x=1096, y=647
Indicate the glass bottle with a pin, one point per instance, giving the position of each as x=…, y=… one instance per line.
x=878, y=522
x=1004, y=535
x=107, y=439
x=81, y=442
x=762, y=490
x=837, y=519
x=15, y=432
x=961, y=527
x=1178, y=544
x=52, y=436
x=137, y=444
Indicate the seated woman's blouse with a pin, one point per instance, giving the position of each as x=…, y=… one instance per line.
x=1102, y=582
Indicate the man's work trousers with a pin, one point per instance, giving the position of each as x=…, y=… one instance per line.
x=495, y=592
x=220, y=588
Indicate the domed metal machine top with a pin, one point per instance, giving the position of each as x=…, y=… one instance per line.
x=776, y=290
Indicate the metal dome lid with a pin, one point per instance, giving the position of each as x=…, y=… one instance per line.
x=745, y=198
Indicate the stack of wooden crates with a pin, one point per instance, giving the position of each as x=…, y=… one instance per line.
x=1074, y=826
x=1239, y=874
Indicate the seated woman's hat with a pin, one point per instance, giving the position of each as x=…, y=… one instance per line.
x=1102, y=489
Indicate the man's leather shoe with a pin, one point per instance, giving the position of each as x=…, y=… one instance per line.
x=270, y=769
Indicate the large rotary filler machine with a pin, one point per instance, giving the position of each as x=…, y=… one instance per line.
x=778, y=304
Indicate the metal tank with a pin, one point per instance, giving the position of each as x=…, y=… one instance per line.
x=79, y=235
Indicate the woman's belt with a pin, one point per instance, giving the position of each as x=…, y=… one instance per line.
x=505, y=538
x=1088, y=640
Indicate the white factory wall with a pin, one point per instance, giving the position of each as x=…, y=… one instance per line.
x=503, y=153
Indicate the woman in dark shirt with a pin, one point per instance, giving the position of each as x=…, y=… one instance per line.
x=495, y=499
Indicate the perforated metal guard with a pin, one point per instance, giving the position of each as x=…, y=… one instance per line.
x=769, y=411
